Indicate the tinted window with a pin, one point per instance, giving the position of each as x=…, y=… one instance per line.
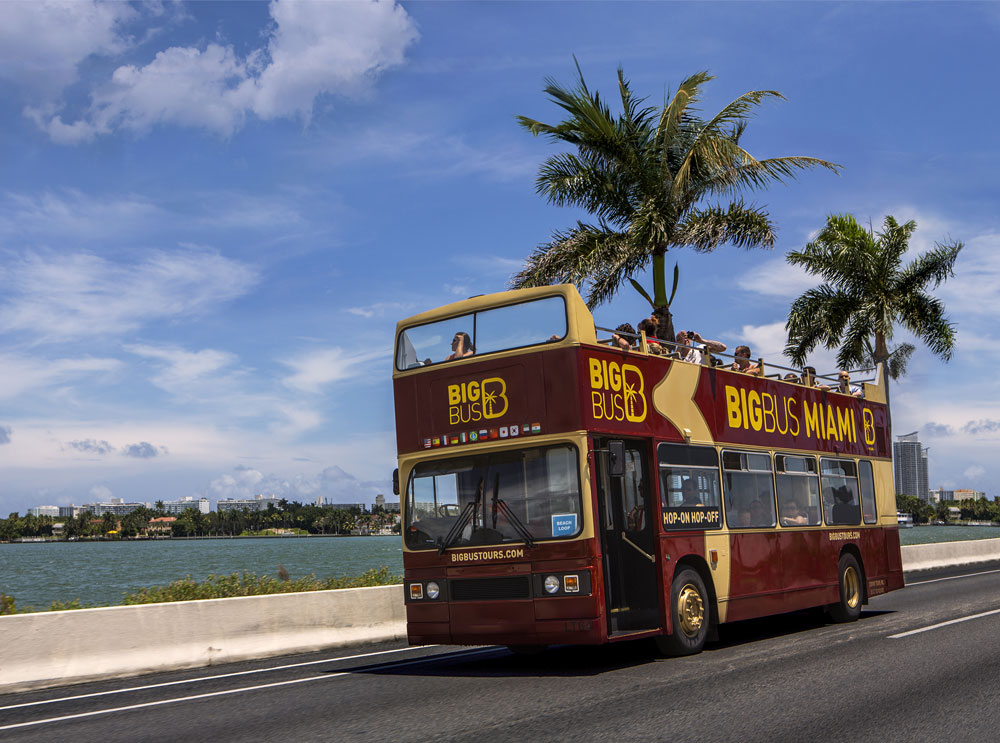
x=749, y=488
x=496, y=329
x=797, y=485
x=868, y=493
x=839, y=480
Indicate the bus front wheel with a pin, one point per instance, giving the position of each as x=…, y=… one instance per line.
x=849, y=578
x=690, y=615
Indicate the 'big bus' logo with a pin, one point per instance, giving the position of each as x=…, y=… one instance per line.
x=477, y=400
x=617, y=391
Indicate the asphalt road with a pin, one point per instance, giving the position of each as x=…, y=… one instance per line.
x=922, y=664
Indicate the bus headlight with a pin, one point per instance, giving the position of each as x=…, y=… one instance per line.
x=551, y=584
x=433, y=590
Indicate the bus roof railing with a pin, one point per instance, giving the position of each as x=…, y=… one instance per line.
x=709, y=358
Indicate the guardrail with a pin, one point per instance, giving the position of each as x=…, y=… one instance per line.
x=68, y=647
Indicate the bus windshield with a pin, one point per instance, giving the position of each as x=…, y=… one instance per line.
x=496, y=497
x=494, y=329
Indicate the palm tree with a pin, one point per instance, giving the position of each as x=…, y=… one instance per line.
x=646, y=174
x=868, y=293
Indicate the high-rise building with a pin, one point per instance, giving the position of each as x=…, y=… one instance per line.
x=910, y=465
x=259, y=502
x=177, y=507
x=44, y=511
x=116, y=507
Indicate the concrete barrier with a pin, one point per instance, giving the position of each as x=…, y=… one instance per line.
x=926, y=556
x=65, y=647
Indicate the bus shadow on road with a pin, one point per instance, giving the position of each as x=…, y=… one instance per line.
x=779, y=625
x=570, y=661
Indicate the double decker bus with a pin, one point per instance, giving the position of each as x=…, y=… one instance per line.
x=560, y=489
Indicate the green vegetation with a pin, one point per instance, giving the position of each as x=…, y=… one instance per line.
x=868, y=293
x=225, y=586
x=646, y=174
x=288, y=517
x=969, y=510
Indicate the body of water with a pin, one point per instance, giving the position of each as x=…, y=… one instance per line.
x=36, y=574
x=100, y=573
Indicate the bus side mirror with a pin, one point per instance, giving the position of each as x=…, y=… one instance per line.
x=616, y=458
x=395, y=481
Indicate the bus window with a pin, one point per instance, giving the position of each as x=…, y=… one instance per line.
x=689, y=487
x=497, y=329
x=839, y=479
x=749, y=486
x=797, y=484
x=868, y=493
x=498, y=496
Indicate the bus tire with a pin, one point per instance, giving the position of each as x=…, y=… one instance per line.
x=850, y=582
x=690, y=615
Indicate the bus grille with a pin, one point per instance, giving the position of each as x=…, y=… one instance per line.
x=485, y=589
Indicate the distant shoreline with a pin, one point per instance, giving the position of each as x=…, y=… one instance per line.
x=100, y=540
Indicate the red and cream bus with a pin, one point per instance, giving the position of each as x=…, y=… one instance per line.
x=561, y=489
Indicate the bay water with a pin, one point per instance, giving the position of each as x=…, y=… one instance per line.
x=101, y=573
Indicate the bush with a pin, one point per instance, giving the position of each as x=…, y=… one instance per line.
x=251, y=584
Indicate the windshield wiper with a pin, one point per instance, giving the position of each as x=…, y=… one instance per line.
x=500, y=506
x=463, y=519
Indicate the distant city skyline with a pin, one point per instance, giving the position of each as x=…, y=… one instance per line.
x=212, y=215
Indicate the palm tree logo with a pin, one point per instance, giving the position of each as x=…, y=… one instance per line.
x=494, y=391
x=634, y=390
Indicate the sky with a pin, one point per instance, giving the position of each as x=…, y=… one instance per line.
x=213, y=214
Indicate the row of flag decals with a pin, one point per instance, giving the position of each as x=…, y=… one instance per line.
x=482, y=434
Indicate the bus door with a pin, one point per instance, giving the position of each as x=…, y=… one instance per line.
x=627, y=514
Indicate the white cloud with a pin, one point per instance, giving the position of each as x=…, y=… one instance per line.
x=316, y=369
x=975, y=288
x=313, y=49
x=42, y=42
x=101, y=493
x=975, y=471
x=81, y=295
x=381, y=309
x=777, y=278
x=183, y=367
x=21, y=374
x=73, y=214
x=332, y=484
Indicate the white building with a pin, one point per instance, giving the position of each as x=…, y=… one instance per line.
x=177, y=507
x=116, y=507
x=257, y=503
x=70, y=511
x=909, y=460
x=44, y=511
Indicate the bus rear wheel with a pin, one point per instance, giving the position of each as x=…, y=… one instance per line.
x=850, y=582
x=690, y=613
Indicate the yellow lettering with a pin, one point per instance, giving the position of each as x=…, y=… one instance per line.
x=614, y=377
x=753, y=406
x=869, y=421
x=768, y=411
x=792, y=418
x=473, y=391
x=814, y=421
x=634, y=392
x=454, y=415
x=733, y=407
x=597, y=400
x=596, y=377
x=844, y=424
x=491, y=397
x=831, y=423
x=454, y=394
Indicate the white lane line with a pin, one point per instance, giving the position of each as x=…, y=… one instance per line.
x=952, y=577
x=161, y=702
x=210, y=678
x=943, y=624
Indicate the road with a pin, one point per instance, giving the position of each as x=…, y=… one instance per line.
x=920, y=665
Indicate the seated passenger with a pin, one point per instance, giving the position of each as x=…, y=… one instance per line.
x=742, y=361
x=791, y=514
x=845, y=510
x=844, y=385
x=624, y=342
x=690, y=494
x=792, y=377
x=651, y=327
x=687, y=352
x=758, y=514
x=808, y=376
x=461, y=346
x=743, y=518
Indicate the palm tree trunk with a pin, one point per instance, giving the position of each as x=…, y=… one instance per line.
x=661, y=307
x=881, y=356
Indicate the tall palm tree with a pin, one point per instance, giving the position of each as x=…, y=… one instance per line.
x=868, y=293
x=646, y=174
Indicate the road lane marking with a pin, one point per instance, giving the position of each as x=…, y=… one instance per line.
x=943, y=624
x=209, y=678
x=952, y=577
x=272, y=685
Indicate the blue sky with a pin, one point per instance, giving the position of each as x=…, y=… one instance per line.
x=213, y=214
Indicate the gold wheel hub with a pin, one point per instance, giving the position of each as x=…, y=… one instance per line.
x=852, y=588
x=690, y=610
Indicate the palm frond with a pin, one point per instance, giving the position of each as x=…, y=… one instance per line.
x=740, y=225
x=924, y=316
x=930, y=268
x=818, y=317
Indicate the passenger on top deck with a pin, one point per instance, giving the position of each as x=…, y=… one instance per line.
x=624, y=341
x=695, y=355
x=651, y=327
x=461, y=346
x=844, y=385
x=742, y=362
